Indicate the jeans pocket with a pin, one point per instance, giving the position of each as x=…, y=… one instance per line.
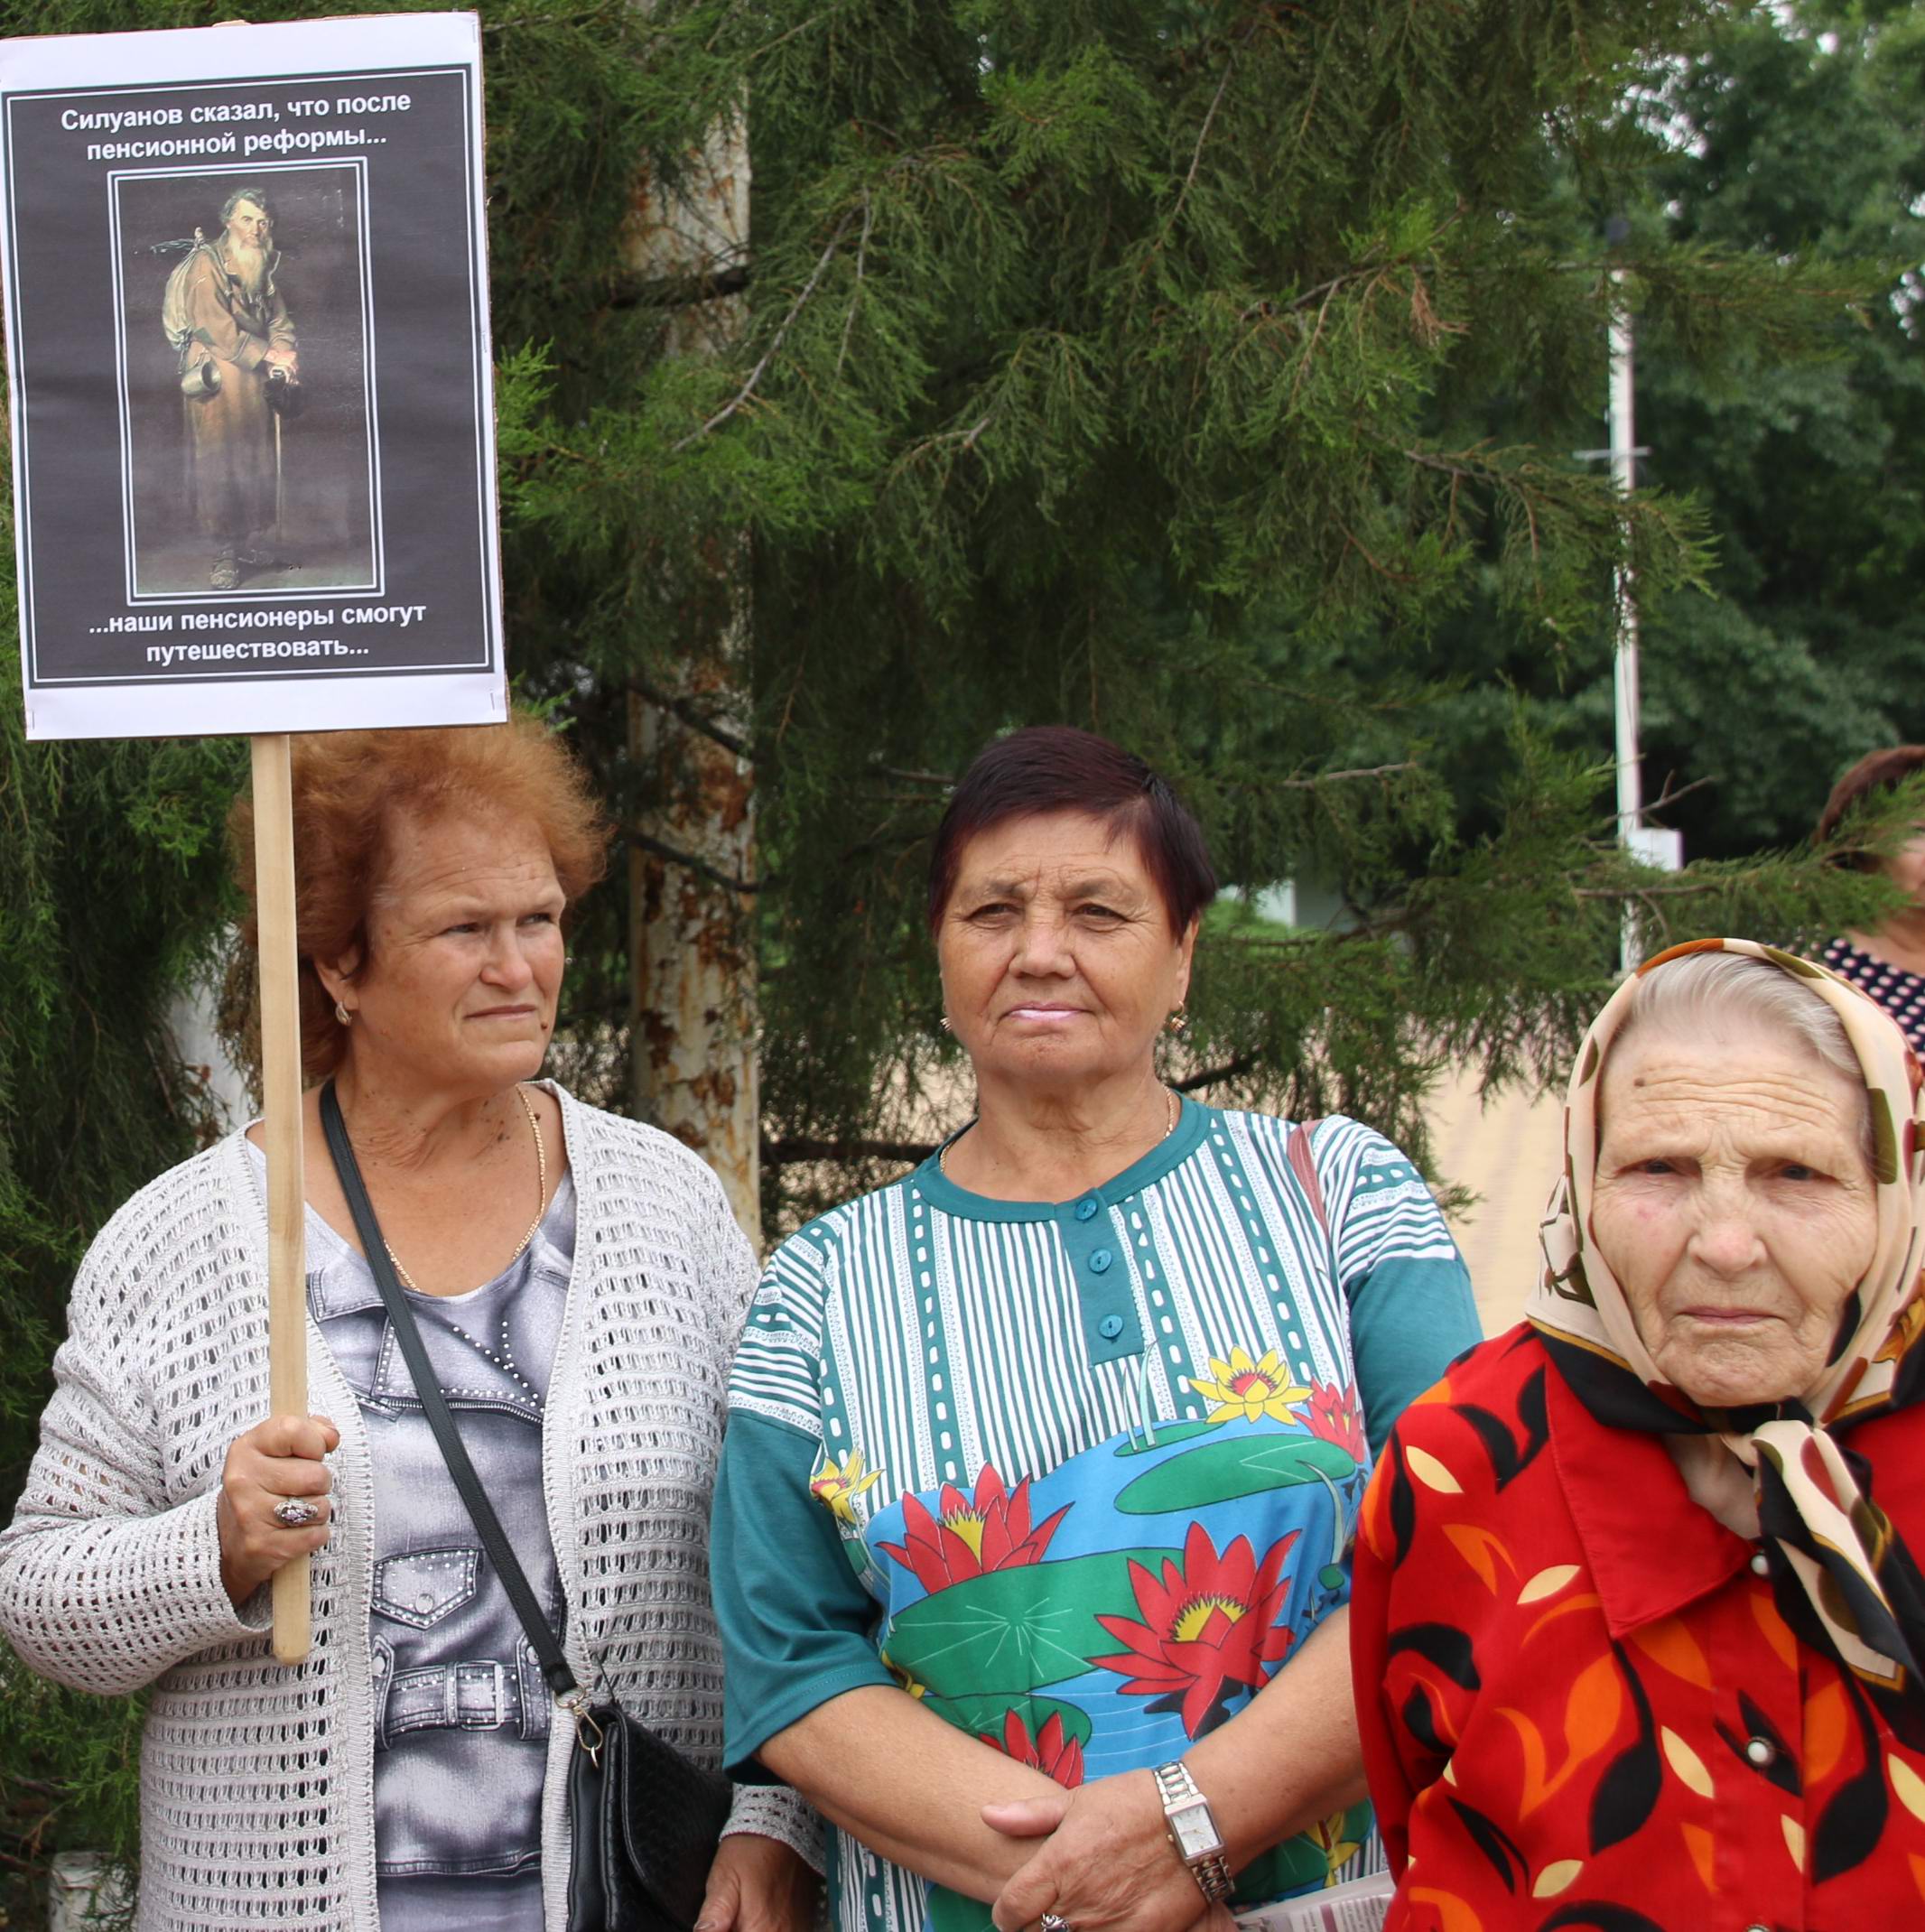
x=420, y=1587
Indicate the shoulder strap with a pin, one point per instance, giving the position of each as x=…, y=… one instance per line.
x=561, y=1679
x=1298, y=1152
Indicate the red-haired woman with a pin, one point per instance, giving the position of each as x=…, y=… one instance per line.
x=1042, y=1460
x=578, y=1282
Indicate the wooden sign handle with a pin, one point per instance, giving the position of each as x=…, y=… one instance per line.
x=287, y=1344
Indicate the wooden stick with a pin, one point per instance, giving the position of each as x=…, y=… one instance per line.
x=287, y=1341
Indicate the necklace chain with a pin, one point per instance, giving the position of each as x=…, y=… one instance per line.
x=541, y=1207
x=1169, y=1127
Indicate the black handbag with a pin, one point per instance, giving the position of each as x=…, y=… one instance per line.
x=646, y=1820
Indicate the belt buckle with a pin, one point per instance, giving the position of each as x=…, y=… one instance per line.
x=465, y=1718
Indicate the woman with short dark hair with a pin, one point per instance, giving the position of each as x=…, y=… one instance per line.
x=1043, y=1462
x=578, y=1281
x=1889, y=963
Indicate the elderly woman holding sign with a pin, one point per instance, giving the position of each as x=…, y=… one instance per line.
x=1637, y=1625
x=576, y=1281
x=1033, y=1529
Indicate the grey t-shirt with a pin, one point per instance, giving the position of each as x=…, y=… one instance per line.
x=462, y=1714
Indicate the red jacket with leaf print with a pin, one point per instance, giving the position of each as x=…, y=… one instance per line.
x=1580, y=1705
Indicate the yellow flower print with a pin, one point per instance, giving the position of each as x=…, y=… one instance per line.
x=912, y=1684
x=1328, y=1835
x=1249, y=1390
x=838, y=1481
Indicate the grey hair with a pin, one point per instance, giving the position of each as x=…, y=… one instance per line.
x=258, y=196
x=1691, y=997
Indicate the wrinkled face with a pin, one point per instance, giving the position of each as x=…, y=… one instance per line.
x=1057, y=959
x=464, y=964
x=249, y=225
x=1733, y=1205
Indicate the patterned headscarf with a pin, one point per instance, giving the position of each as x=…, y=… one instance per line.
x=1843, y=1577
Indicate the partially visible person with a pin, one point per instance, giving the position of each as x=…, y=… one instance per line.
x=578, y=1281
x=1638, y=1626
x=1889, y=963
x=237, y=337
x=1043, y=1461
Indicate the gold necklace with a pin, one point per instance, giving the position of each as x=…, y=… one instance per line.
x=541, y=1169
x=942, y=1153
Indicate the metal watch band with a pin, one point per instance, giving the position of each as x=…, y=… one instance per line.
x=1179, y=1792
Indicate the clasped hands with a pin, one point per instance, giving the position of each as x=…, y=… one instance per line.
x=1105, y=1864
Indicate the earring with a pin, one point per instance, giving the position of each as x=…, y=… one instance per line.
x=944, y=1024
x=342, y=1013
x=1179, y=1020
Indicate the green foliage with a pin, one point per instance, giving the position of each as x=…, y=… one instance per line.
x=1134, y=365
x=1204, y=373
x=1792, y=131
x=110, y=896
x=68, y=1770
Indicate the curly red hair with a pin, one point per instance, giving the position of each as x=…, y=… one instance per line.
x=352, y=789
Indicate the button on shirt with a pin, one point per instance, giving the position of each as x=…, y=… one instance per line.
x=1578, y=1696
x=1000, y=1452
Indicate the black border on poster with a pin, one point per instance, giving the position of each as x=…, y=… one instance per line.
x=304, y=671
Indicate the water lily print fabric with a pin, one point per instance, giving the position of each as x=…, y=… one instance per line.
x=1581, y=1706
x=1081, y=1476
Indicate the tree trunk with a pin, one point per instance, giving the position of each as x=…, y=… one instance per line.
x=692, y=937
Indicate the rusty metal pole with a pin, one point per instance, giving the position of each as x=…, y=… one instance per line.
x=692, y=1043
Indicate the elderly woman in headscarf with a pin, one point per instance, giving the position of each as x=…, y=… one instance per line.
x=1636, y=1629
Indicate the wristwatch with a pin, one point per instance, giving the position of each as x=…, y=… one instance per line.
x=1193, y=1829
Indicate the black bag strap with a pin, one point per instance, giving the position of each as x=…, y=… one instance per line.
x=559, y=1679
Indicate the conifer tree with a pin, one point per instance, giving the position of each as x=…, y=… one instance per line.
x=1179, y=370
x=1788, y=129
x=1183, y=368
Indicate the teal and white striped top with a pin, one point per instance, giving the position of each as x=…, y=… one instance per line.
x=1079, y=1474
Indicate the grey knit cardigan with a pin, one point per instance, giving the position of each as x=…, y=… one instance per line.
x=256, y=1780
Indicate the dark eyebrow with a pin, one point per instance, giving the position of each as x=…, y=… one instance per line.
x=1097, y=885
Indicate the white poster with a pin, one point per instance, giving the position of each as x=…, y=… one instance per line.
x=245, y=281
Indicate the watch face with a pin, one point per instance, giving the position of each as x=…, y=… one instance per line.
x=1194, y=1833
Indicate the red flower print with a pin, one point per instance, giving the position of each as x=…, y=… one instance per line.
x=990, y=1533
x=1337, y=1416
x=1052, y=1750
x=1206, y=1625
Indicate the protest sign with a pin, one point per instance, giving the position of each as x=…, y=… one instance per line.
x=245, y=282
x=245, y=272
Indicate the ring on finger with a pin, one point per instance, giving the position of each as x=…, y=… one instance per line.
x=295, y=1512
x=1054, y=1922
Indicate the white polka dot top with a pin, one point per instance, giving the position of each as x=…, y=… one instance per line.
x=1901, y=993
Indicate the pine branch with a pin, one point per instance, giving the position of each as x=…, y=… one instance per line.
x=855, y=294
x=768, y=355
x=1357, y=771
x=793, y=1153
x=1215, y=1075
x=680, y=291
x=689, y=862
x=1216, y=101
x=682, y=710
